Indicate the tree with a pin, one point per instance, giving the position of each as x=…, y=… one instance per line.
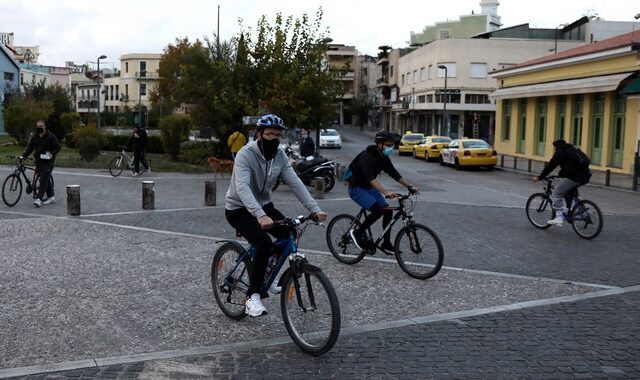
x=174, y=130
x=61, y=101
x=22, y=114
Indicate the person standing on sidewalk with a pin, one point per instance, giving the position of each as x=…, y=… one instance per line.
x=236, y=141
x=139, y=140
x=45, y=146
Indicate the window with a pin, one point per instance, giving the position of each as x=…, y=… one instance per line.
x=422, y=74
x=562, y=115
x=126, y=67
x=541, y=125
x=506, y=119
x=444, y=34
x=143, y=89
x=391, y=72
x=415, y=76
x=478, y=70
x=110, y=92
x=126, y=91
x=429, y=72
x=143, y=69
x=429, y=98
x=402, y=80
x=476, y=99
x=576, y=133
x=8, y=76
x=421, y=98
x=117, y=93
x=451, y=70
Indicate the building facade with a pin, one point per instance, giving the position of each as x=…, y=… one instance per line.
x=588, y=96
x=345, y=59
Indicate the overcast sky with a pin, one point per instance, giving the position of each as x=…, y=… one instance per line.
x=81, y=30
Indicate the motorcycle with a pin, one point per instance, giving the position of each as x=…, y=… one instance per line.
x=309, y=168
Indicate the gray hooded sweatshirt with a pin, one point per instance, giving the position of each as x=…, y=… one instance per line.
x=248, y=187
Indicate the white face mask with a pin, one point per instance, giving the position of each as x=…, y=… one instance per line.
x=388, y=150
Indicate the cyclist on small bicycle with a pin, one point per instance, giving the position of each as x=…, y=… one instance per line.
x=249, y=208
x=45, y=147
x=369, y=193
x=574, y=168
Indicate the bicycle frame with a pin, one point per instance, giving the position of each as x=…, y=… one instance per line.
x=22, y=169
x=401, y=213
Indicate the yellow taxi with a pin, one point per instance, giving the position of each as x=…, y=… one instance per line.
x=408, y=141
x=429, y=148
x=469, y=152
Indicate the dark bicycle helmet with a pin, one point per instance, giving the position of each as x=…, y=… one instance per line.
x=269, y=121
x=384, y=136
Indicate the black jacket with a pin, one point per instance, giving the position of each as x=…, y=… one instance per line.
x=570, y=167
x=307, y=147
x=140, y=142
x=367, y=166
x=41, y=145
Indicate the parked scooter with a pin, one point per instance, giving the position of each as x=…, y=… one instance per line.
x=309, y=168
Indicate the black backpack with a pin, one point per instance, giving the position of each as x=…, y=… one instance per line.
x=581, y=159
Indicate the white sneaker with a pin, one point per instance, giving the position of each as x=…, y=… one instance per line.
x=254, y=307
x=37, y=202
x=557, y=221
x=135, y=174
x=49, y=201
x=274, y=288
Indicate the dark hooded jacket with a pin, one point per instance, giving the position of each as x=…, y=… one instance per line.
x=367, y=166
x=567, y=157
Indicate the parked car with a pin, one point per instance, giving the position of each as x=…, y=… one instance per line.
x=469, y=152
x=430, y=147
x=408, y=141
x=330, y=138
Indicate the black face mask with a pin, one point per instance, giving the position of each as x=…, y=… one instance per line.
x=270, y=148
x=39, y=130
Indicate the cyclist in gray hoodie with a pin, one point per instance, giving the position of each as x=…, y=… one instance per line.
x=249, y=208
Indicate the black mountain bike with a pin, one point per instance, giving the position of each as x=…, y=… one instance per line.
x=418, y=250
x=584, y=216
x=12, y=185
x=308, y=301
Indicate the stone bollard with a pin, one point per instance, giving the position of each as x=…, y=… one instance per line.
x=318, y=185
x=73, y=200
x=148, y=195
x=210, y=193
x=339, y=172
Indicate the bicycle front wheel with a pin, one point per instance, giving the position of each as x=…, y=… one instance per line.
x=116, y=166
x=310, y=310
x=586, y=219
x=11, y=190
x=419, y=251
x=230, y=280
x=339, y=241
x=539, y=210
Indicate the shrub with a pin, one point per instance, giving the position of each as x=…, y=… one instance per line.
x=197, y=152
x=174, y=130
x=155, y=145
x=84, y=132
x=69, y=120
x=89, y=148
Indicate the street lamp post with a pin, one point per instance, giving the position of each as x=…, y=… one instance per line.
x=446, y=95
x=99, y=89
x=323, y=44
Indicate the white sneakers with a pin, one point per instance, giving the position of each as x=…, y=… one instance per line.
x=254, y=307
x=37, y=202
x=274, y=288
x=557, y=221
x=49, y=201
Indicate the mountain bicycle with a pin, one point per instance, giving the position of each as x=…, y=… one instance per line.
x=308, y=301
x=584, y=216
x=417, y=249
x=12, y=185
x=117, y=164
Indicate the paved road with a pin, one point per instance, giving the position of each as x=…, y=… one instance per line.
x=122, y=292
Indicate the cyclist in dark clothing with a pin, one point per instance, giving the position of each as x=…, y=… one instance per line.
x=45, y=147
x=139, y=140
x=574, y=168
x=368, y=192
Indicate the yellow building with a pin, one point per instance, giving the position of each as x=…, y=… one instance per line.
x=588, y=96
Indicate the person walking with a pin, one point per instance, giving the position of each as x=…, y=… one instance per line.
x=139, y=140
x=45, y=147
x=236, y=141
x=307, y=146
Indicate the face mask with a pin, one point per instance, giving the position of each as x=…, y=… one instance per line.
x=270, y=147
x=388, y=150
x=39, y=130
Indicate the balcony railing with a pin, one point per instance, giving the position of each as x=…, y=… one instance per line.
x=146, y=74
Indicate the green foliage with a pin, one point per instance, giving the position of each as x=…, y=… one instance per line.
x=89, y=148
x=197, y=152
x=81, y=133
x=68, y=121
x=121, y=121
x=155, y=144
x=22, y=114
x=174, y=130
x=61, y=100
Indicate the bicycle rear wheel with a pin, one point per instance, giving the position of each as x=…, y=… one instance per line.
x=310, y=310
x=11, y=190
x=539, y=210
x=586, y=219
x=116, y=166
x=419, y=251
x=230, y=282
x=339, y=241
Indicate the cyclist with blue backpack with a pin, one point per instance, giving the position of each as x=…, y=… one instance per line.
x=249, y=208
x=574, y=168
x=368, y=192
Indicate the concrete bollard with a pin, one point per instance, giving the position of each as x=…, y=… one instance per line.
x=210, y=193
x=148, y=195
x=318, y=185
x=339, y=172
x=607, y=177
x=73, y=200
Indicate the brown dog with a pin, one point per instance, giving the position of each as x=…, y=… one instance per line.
x=220, y=166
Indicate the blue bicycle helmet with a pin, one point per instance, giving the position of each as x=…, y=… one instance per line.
x=269, y=121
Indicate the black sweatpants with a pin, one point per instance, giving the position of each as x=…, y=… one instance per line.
x=248, y=226
x=138, y=158
x=44, y=168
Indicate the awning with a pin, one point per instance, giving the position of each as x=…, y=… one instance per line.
x=631, y=88
x=566, y=87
